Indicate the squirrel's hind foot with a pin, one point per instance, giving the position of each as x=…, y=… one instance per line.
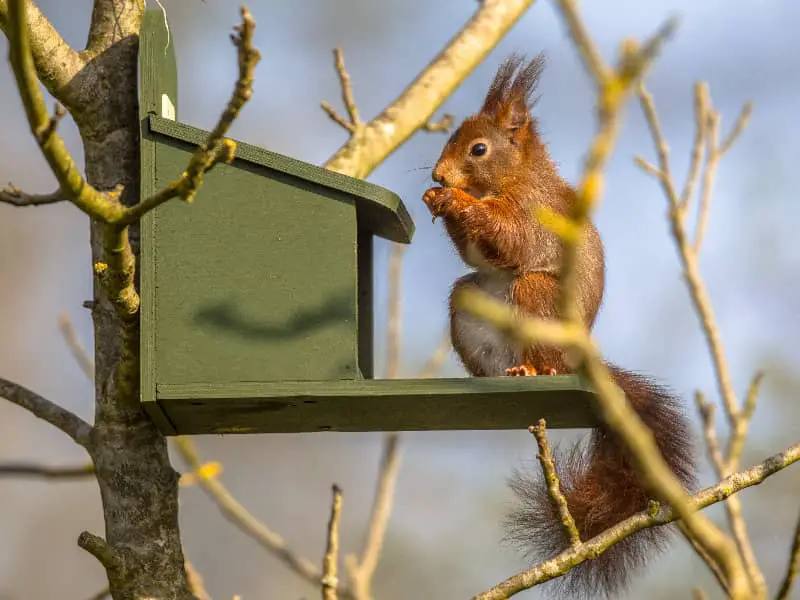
x=528, y=370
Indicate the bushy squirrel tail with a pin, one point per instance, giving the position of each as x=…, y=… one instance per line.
x=602, y=488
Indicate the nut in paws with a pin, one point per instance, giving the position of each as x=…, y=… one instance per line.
x=437, y=199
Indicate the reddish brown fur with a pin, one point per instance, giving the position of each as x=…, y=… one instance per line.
x=487, y=203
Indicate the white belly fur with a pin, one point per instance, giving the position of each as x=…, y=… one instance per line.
x=475, y=340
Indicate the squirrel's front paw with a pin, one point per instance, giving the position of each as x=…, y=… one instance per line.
x=437, y=199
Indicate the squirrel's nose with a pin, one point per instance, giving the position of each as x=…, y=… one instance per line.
x=438, y=176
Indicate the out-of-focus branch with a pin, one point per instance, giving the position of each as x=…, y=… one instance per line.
x=196, y=583
x=237, y=514
x=394, y=320
x=361, y=572
x=77, y=349
x=372, y=143
x=330, y=579
x=707, y=140
x=710, y=561
x=588, y=549
x=435, y=361
x=793, y=566
x=688, y=256
x=442, y=125
x=45, y=472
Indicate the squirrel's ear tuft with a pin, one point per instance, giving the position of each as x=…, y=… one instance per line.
x=510, y=97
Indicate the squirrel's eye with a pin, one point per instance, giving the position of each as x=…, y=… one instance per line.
x=478, y=149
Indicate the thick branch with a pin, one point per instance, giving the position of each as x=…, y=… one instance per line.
x=83, y=195
x=557, y=566
x=66, y=421
x=104, y=30
x=793, y=566
x=413, y=109
x=55, y=61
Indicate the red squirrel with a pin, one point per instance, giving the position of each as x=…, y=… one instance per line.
x=493, y=172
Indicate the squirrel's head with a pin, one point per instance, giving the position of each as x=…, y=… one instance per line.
x=497, y=144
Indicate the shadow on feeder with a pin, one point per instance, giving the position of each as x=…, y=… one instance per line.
x=257, y=300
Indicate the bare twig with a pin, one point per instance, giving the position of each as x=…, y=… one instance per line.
x=443, y=125
x=792, y=568
x=71, y=183
x=716, y=151
x=330, y=579
x=106, y=207
x=394, y=320
x=196, y=583
x=738, y=417
x=691, y=269
x=710, y=561
x=249, y=524
x=16, y=197
x=417, y=104
x=739, y=433
x=698, y=146
x=354, y=123
x=437, y=358
x=77, y=349
x=707, y=412
x=99, y=548
x=58, y=417
x=216, y=148
x=362, y=572
x=590, y=55
x=573, y=556
x=545, y=457
x=44, y=472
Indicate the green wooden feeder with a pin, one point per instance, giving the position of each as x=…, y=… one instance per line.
x=257, y=300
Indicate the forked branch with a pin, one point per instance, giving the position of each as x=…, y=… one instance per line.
x=369, y=145
x=558, y=565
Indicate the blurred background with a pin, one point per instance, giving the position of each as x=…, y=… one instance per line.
x=444, y=536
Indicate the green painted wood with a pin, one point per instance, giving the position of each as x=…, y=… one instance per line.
x=379, y=210
x=378, y=405
x=158, y=94
x=158, y=70
x=364, y=247
x=255, y=281
x=257, y=300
